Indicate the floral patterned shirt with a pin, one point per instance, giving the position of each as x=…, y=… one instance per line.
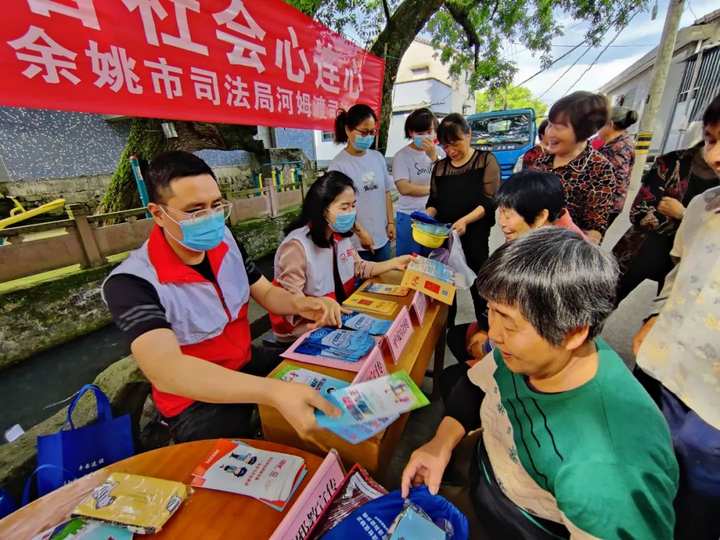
x=682, y=350
x=590, y=185
x=620, y=152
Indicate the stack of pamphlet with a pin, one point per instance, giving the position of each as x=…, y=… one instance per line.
x=235, y=467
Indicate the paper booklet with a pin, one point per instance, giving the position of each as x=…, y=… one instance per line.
x=327, y=386
x=368, y=304
x=384, y=288
x=235, y=467
x=294, y=353
x=372, y=400
x=431, y=277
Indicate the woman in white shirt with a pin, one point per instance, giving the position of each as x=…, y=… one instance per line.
x=411, y=169
x=375, y=224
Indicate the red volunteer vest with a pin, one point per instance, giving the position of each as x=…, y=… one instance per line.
x=209, y=319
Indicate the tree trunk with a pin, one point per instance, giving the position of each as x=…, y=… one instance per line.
x=146, y=140
x=405, y=24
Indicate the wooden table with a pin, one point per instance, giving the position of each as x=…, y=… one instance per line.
x=427, y=341
x=206, y=514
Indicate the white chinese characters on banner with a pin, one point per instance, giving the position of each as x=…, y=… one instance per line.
x=283, y=57
x=45, y=55
x=237, y=92
x=303, y=103
x=285, y=100
x=149, y=9
x=244, y=52
x=352, y=80
x=184, y=40
x=326, y=60
x=206, y=85
x=294, y=86
x=264, y=97
x=113, y=69
x=166, y=78
x=84, y=10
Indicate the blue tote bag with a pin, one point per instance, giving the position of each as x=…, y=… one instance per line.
x=74, y=452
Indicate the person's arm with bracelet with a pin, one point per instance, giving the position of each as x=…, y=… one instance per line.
x=390, y=216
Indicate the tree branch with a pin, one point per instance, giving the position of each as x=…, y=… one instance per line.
x=386, y=7
x=461, y=14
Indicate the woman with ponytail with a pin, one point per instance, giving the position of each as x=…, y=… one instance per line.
x=619, y=148
x=317, y=257
x=375, y=225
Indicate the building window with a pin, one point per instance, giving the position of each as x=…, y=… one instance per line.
x=327, y=136
x=419, y=71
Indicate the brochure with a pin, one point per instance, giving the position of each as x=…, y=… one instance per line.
x=327, y=385
x=338, y=363
x=431, y=277
x=384, y=288
x=348, y=345
x=235, y=467
x=372, y=400
x=368, y=304
x=82, y=529
x=140, y=503
x=366, y=323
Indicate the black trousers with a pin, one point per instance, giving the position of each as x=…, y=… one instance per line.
x=222, y=421
x=652, y=261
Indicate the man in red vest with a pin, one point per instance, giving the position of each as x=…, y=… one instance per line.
x=182, y=301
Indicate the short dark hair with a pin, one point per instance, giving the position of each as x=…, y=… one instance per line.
x=170, y=166
x=623, y=117
x=531, y=192
x=542, y=127
x=452, y=128
x=420, y=120
x=321, y=194
x=558, y=281
x=351, y=118
x=584, y=111
x=711, y=116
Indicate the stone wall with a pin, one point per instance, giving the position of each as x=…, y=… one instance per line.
x=127, y=390
x=90, y=189
x=47, y=314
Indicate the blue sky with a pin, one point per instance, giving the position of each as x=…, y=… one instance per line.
x=636, y=40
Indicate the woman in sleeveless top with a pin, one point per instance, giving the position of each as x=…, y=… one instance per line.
x=317, y=257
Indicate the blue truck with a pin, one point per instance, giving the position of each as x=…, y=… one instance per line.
x=507, y=134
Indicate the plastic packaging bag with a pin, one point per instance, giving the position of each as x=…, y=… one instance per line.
x=376, y=517
x=464, y=276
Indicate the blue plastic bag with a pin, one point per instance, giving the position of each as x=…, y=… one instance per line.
x=7, y=504
x=347, y=345
x=75, y=452
x=373, y=520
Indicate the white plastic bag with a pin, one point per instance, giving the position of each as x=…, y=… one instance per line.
x=464, y=276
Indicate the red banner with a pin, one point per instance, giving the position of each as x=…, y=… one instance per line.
x=255, y=62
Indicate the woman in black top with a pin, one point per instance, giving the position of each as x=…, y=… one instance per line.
x=462, y=191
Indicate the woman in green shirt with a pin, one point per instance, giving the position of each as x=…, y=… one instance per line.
x=572, y=445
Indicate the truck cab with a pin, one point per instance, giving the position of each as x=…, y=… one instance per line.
x=507, y=134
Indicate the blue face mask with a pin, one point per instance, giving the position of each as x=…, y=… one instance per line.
x=344, y=222
x=202, y=234
x=418, y=140
x=363, y=143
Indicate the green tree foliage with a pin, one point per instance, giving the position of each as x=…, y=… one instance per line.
x=512, y=97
